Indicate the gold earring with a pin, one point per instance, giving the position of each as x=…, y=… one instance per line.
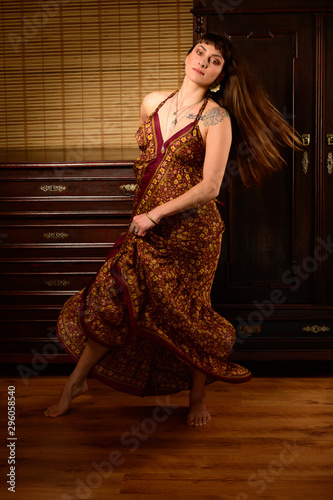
x=215, y=87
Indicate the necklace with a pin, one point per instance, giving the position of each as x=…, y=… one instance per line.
x=182, y=112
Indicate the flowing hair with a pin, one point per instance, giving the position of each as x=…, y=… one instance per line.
x=259, y=129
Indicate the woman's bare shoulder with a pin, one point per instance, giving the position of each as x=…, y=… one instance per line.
x=213, y=113
x=152, y=100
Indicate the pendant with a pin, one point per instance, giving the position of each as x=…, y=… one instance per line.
x=173, y=124
x=162, y=148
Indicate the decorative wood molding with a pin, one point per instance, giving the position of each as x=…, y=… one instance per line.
x=319, y=150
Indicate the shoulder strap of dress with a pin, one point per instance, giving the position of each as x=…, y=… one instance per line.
x=161, y=103
x=201, y=110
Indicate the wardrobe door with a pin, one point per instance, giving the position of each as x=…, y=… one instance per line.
x=270, y=231
x=327, y=166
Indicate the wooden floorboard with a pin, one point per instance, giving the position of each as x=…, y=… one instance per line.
x=271, y=438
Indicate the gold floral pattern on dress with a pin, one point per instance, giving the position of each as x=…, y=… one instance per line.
x=150, y=301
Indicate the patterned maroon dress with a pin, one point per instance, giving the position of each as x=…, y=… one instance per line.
x=150, y=301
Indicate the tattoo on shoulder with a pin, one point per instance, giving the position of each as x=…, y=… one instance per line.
x=211, y=117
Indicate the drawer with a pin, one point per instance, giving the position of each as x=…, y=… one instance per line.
x=35, y=298
x=13, y=266
x=65, y=206
x=61, y=251
x=49, y=237
x=25, y=330
x=64, y=188
x=49, y=350
x=55, y=232
x=62, y=171
x=30, y=314
x=44, y=282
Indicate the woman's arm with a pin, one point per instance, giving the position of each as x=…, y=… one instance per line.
x=218, y=142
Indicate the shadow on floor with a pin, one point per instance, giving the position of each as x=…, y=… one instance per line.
x=299, y=368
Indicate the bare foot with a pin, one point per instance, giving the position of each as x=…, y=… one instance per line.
x=70, y=391
x=198, y=414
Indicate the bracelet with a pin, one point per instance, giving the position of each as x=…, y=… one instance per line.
x=150, y=218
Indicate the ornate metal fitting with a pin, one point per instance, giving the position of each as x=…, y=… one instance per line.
x=55, y=236
x=53, y=188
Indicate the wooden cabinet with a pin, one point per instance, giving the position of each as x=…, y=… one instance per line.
x=275, y=275
x=58, y=223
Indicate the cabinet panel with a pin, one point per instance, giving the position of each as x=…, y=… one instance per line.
x=270, y=230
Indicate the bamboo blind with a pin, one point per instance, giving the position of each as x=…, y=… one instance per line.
x=74, y=72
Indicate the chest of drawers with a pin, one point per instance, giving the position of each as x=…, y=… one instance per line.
x=58, y=223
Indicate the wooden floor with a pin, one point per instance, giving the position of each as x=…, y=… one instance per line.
x=270, y=438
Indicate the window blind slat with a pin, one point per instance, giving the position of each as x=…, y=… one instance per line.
x=77, y=73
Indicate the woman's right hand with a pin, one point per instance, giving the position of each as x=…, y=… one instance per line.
x=141, y=223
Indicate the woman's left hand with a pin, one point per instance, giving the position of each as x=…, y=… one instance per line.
x=141, y=223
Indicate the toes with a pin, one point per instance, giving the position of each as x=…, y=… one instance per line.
x=198, y=421
x=51, y=412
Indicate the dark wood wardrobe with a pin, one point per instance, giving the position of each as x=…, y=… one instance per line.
x=275, y=275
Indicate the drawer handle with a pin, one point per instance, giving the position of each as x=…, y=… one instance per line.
x=315, y=329
x=305, y=162
x=55, y=236
x=305, y=159
x=330, y=163
x=53, y=188
x=57, y=282
x=128, y=189
x=250, y=330
x=51, y=330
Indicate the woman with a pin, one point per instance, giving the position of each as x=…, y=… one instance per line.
x=145, y=324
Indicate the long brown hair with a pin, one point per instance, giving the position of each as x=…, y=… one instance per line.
x=259, y=129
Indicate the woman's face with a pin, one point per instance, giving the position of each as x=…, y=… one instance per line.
x=204, y=64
